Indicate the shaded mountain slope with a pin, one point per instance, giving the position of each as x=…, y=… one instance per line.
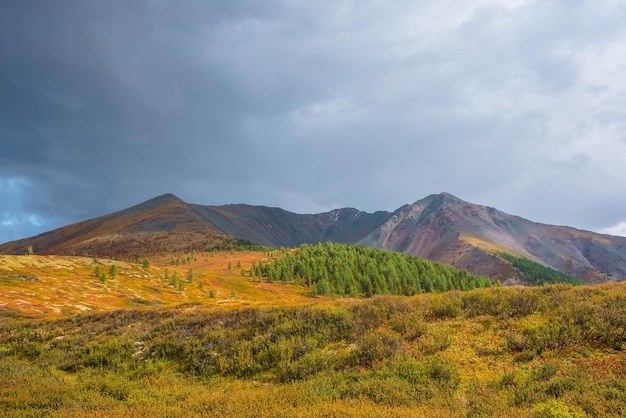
x=276, y=227
x=440, y=227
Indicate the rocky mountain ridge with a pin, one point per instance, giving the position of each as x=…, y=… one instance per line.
x=440, y=227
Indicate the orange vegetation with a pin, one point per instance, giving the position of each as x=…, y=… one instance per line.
x=58, y=286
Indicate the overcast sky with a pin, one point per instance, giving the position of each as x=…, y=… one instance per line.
x=312, y=105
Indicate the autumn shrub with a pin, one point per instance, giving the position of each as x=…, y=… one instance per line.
x=387, y=390
x=369, y=315
x=28, y=350
x=113, y=386
x=329, y=385
x=377, y=345
x=481, y=406
x=545, y=371
x=410, y=369
x=482, y=302
x=433, y=370
x=238, y=361
x=306, y=366
x=522, y=302
x=111, y=353
x=527, y=394
x=612, y=318
x=445, y=306
x=410, y=326
x=436, y=338
x=331, y=322
x=443, y=372
x=279, y=353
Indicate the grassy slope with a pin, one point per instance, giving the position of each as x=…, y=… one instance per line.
x=492, y=352
x=58, y=286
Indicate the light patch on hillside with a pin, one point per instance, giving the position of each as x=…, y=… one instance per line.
x=490, y=247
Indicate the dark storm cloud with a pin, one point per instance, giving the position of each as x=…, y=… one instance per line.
x=311, y=106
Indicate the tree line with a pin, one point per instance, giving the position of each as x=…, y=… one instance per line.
x=349, y=270
x=537, y=274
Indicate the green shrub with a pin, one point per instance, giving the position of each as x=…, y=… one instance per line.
x=554, y=409
x=306, y=366
x=443, y=372
x=110, y=353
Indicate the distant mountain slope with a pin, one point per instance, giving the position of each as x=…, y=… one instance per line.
x=276, y=227
x=165, y=224
x=439, y=227
x=447, y=229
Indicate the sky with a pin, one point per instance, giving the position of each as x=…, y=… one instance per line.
x=312, y=105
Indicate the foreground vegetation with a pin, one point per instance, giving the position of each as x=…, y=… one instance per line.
x=551, y=351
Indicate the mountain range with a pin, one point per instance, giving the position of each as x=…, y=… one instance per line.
x=440, y=227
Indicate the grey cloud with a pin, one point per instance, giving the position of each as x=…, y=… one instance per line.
x=307, y=105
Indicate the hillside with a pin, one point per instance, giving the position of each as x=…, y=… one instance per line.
x=161, y=225
x=66, y=285
x=554, y=351
x=246, y=333
x=449, y=230
x=441, y=228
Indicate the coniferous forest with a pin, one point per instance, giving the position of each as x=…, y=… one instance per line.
x=333, y=269
x=536, y=274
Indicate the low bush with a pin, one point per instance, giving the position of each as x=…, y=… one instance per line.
x=377, y=345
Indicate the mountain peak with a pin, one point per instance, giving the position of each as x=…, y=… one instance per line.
x=441, y=199
x=161, y=200
x=166, y=198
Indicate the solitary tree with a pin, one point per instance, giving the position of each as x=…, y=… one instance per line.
x=29, y=250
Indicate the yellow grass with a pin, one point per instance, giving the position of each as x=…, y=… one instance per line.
x=488, y=246
x=58, y=286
